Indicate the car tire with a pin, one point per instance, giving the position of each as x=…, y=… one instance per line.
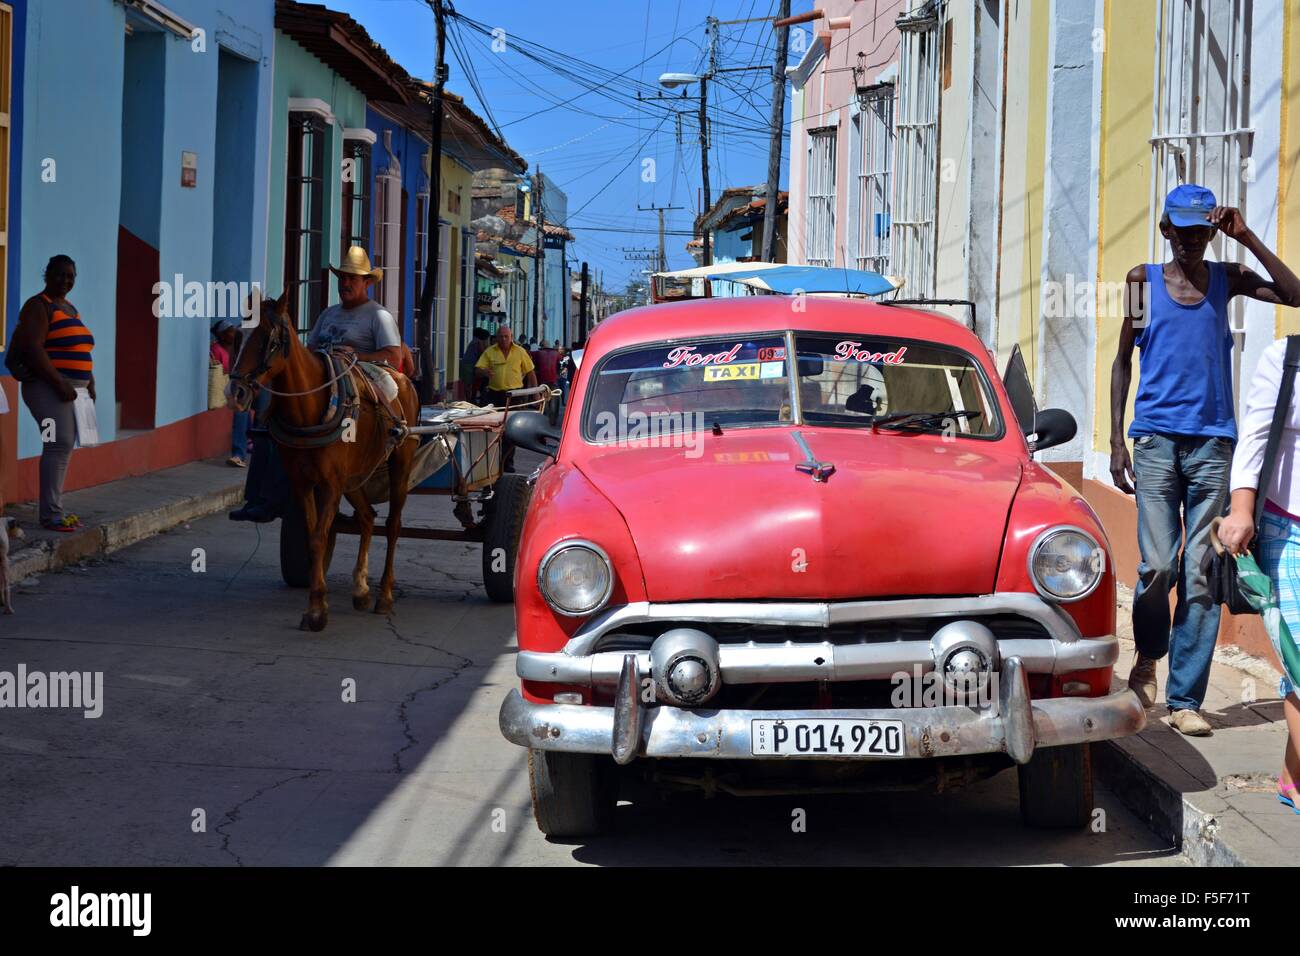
x=295, y=563
x=1056, y=787
x=502, y=523
x=573, y=794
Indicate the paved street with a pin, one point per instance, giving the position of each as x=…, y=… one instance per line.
x=214, y=701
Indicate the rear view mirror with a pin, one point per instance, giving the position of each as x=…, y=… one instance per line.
x=534, y=431
x=811, y=365
x=1052, y=427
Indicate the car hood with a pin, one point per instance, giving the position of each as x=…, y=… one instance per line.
x=731, y=518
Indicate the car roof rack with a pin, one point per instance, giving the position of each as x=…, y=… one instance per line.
x=966, y=302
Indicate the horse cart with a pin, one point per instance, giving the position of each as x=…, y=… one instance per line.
x=460, y=456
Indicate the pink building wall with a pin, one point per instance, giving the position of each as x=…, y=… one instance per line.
x=829, y=100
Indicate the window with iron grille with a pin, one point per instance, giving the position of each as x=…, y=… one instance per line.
x=916, y=161
x=356, y=197
x=1200, y=112
x=819, y=243
x=442, y=311
x=468, y=289
x=421, y=246
x=872, y=149
x=388, y=241
x=1200, y=128
x=304, y=262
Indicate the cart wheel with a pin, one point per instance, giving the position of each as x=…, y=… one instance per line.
x=295, y=563
x=502, y=524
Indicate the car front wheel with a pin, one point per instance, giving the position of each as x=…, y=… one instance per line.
x=1056, y=787
x=573, y=794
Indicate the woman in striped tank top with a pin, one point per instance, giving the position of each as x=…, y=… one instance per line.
x=57, y=348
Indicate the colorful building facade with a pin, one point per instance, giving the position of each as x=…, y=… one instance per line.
x=133, y=145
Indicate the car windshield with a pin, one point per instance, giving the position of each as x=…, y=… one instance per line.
x=689, y=386
x=863, y=381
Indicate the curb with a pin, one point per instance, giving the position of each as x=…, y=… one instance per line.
x=116, y=533
x=1167, y=811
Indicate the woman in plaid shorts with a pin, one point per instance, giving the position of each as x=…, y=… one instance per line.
x=1278, y=548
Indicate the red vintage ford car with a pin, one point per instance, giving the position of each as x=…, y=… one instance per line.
x=802, y=544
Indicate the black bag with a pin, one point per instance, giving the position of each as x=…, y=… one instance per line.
x=15, y=358
x=1219, y=566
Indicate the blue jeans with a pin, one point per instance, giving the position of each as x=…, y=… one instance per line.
x=239, y=435
x=1182, y=480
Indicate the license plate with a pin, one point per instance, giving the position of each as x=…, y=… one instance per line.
x=844, y=737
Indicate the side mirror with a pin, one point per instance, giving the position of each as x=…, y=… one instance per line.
x=534, y=431
x=1052, y=426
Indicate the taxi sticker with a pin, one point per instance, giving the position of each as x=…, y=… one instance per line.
x=771, y=370
x=731, y=373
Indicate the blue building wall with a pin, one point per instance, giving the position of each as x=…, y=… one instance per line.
x=14, y=297
x=72, y=102
x=409, y=150
x=71, y=161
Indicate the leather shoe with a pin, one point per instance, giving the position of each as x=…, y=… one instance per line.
x=252, y=512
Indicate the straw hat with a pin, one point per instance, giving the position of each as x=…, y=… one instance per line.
x=357, y=263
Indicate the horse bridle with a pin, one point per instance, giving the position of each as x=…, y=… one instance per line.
x=274, y=343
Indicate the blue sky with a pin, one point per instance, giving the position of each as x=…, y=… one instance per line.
x=585, y=145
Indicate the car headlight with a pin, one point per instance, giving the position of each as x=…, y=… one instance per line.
x=1066, y=564
x=575, y=578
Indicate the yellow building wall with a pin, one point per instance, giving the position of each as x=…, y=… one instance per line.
x=1287, y=321
x=1125, y=183
x=1024, y=145
x=458, y=182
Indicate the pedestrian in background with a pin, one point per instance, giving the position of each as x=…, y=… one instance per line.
x=1278, y=547
x=1184, y=430
x=53, y=351
x=470, y=387
x=505, y=366
x=225, y=344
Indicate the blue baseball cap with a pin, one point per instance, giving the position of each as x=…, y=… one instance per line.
x=1189, y=205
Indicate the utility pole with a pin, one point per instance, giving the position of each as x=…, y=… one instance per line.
x=540, y=261
x=711, y=27
x=774, y=150
x=663, y=260
x=424, y=328
x=582, y=310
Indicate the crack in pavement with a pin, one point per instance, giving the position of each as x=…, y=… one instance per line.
x=402, y=714
x=232, y=815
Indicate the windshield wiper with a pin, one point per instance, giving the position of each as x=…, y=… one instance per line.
x=920, y=419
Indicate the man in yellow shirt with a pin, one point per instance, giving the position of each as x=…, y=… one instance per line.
x=506, y=366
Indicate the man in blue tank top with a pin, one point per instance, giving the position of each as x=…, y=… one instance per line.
x=1183, y=432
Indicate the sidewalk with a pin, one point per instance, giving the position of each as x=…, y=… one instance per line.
x=120, y=513
x=1213, y=795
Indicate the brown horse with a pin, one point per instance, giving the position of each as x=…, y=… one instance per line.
x=272, y=357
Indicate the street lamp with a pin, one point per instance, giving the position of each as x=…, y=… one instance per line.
x=671, y=81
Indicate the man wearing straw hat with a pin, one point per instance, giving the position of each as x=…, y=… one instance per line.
x=358, y=323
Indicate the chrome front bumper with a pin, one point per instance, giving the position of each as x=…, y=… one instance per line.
x=1015, y=725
